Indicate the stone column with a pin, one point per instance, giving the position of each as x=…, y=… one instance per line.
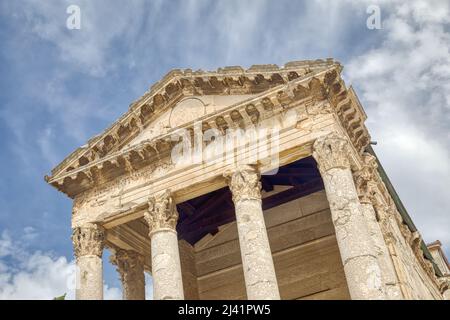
x=259, y=271
x=88, y=242
x=130, y=266
x=367, y=190
x=358, y=255
x=162, y=219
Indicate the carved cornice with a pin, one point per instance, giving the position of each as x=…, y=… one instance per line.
x=331, y=151
x=162, y=213
x=244, y=183
x=88, y=240
x=351, y=116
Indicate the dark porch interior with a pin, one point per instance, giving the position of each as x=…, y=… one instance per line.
x=204, y=214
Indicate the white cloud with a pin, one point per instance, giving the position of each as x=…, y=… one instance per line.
x=29, y=234
x=101, y=24
x=404, y=84
x=37, y=275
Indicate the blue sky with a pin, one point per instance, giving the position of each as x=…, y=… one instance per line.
x=59, y=87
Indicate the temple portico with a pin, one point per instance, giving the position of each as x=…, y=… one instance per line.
x=244, y=184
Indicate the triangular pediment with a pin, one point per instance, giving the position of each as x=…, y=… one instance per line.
x=185, y=111
x=180, y=98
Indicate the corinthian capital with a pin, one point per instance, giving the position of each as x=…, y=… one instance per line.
x=331, y=151
x=161, y=213
x=129, y=264
x=244, y=183
x=88, y=240
x=364, y=179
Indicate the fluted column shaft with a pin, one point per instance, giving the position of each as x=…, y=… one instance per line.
x=130, y=266
x=88, y=242
x=259, y=272
x=162, y=218
x=361, y=267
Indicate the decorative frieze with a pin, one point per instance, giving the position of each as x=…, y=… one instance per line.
x=88, y=240
x=365, y=183
x=108, y=197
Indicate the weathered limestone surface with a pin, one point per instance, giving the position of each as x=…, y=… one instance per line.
x=167, y=279
x=166, y=269
x=304, y=250
x=441, y=260
x=88, y=242
x=366, y=188
x=130, y=266
x=259, y=271
x=389, y=278
x=357, y=251
x=439, y=257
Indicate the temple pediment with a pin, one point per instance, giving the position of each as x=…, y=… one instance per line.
x=226, y=98
x=185, y=111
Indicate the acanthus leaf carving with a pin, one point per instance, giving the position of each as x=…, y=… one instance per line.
x=129, y=264
x=162, y=213
x=331, y=151
x=244, y=183
x=88, y=240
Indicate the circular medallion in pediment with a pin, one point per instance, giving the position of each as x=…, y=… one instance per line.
x=186, y=111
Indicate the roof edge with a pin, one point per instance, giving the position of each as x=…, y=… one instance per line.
x=402, y=210
x=174, y=74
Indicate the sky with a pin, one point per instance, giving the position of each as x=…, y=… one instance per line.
x=60, y=86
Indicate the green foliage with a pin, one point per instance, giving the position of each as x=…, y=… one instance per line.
x=63, y=297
